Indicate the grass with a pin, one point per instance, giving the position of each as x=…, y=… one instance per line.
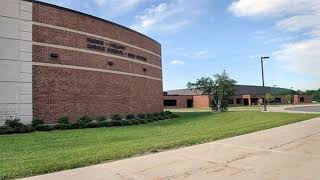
x=36, y=153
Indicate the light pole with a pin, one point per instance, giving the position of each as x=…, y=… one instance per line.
x=264, y=95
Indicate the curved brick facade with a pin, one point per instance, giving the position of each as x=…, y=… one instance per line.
x=84, y=65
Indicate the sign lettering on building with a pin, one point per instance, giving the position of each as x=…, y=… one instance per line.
x=112, y=48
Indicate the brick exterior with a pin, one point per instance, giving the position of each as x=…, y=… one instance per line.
x=181, y=101
x=61, y=92
x=201, y=101
x=59, y=17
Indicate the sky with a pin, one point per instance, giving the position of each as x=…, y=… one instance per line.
x=203, y=37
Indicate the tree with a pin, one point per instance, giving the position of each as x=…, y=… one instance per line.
x=289, y=98
x=269, y=98
x=220, y=88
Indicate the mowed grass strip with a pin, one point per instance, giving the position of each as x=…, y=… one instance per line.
x=36, y=153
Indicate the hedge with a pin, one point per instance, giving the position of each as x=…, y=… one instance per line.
x=13, y=126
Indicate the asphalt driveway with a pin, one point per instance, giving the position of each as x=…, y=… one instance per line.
x=287, y=152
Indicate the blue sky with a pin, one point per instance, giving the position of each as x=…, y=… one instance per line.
x=203, y=37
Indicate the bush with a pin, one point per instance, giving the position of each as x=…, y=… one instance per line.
x=84, y=120
x=148, y=115
x=63, y=126
x=101, y=119
x=135, y=121
x=91, y=125
x=116, y=123
x=104, y=124
x=130, y=116
x=175, y=115
x=43, y=127
x=141, y=121
x=63, y=120
x=116, y=117
x=155, y=114
x=142, y=116
x=166, y=113
x=126, y=122
x=13, y=123
x=22, y=129
x=150, y=120
x=37, y=121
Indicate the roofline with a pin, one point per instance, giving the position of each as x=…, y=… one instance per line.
x=235, y=85
x=91, y=16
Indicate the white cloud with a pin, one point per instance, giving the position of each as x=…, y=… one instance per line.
x=299, y=17
x=160, y=17
x=301, y=57
x=118, y=4
x=168, y=16
x=197, y=54
x=177, y=62
x=273, y=8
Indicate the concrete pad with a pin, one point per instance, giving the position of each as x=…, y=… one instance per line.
x=287, y=152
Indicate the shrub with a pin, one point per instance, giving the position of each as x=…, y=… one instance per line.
x=101, y=119
x=116, y=117
x=141, y=121
x=13, y=123
x=22, y=129
x=167, y=112
x=63, y=126
x=116, y=123
x=37, y=121
x=155, y=114
x=104, y=124
x=91, y=125
x=130, y=116
x=43, y=127
x=63, y=120
x=150, y=120
x=175, y=115
x=84, y=120
x=126, y=123
x=135, y=121
x=148, y=115
x=142, y=116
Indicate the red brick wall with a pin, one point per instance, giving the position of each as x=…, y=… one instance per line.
x=181, y=101
x=201, y=102
x=61, y=92
x=307, y=99
x=59, y=17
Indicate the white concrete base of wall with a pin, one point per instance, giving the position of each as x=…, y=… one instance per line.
x=16, y=60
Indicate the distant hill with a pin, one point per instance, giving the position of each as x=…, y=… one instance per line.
x=280, y=91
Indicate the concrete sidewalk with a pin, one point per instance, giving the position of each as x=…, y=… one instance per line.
x=287, y=152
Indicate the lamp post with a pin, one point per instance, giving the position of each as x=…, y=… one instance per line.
x=264, y=95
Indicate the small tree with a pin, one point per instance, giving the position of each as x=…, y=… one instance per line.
x=269, y=98
x=220, y=88
x=289, y=98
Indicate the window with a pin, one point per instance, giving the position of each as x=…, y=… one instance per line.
x=302, y=99
x=278, y=100
x=231, y=101
x=239, y=101
x=170, y=102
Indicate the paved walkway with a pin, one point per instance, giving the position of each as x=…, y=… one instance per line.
x=287, y=152
x=301, y=108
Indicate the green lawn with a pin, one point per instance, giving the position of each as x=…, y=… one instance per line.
x=36, y=153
